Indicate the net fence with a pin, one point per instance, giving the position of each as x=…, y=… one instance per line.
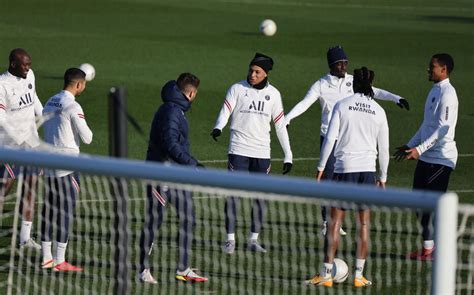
x=110, y=215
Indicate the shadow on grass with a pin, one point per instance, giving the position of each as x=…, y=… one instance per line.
x=449, y=19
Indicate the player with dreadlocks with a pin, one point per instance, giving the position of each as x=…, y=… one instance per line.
x=328, y=90
x=360, y=126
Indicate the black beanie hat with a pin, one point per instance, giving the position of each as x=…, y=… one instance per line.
x=336, y=54
x=263, y=61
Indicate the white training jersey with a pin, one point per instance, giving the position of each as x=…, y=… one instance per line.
x=359, y=125
x=434, y=140
x=66, y=126
x=329, y=90
x=251, y=111
x=18, y=106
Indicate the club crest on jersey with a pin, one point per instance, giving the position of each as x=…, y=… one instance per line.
x=267, y=97
x=348, y=84
x=30, y=86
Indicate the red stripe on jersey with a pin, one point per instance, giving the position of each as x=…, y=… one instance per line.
x=157, y=195
x=227, y=104
x=2, y=106
x=75, y=184
x=10, y=171
x=81, y=116
x=278, y=117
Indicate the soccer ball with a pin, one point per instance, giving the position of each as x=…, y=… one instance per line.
x=89, y=70
x=268, y=27
x=340, y=271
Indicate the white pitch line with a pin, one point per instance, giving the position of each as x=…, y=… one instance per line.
x=313, y=159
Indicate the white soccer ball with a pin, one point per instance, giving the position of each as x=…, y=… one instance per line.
x=340, y=271
x=89, y=70
x=268, y=27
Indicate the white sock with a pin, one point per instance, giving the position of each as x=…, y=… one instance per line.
x=60, y=253
x=46, y=249
x=326, y=270
x=429, y=244
x=231, y=237
x=253, y=236
x=359, y=268
x=25, y=231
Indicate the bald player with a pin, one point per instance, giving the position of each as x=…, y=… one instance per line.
x=19, y=104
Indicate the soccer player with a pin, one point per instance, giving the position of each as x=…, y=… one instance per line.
x=19, y=104
x=169, y=144
x=330, y=89
x=433, y=144
x=357, y=131
x=252, y=104
x=64, y=131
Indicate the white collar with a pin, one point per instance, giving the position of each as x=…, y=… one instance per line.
x=333, y=80
x=441, y=83
x=68, y=94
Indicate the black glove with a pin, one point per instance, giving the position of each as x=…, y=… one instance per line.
x=400, y=154
x=287, y=167
x=403, y=103
x=216, y=133
x=200, y=165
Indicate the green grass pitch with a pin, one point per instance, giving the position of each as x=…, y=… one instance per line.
x=141, y=44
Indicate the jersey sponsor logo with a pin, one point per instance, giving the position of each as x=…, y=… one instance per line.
x=447, y=113
x=362, y=107
x=55, y=104
x=30, y=86
x=26, y=99
x=348, y=84
x=259, y=106
x=267, y=97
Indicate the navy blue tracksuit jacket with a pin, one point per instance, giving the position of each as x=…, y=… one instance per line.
x=169, y=129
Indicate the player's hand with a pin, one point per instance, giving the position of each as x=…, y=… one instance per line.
x=403, y=147
x=287, y=168
x=381, y=184
x=319, y=175
x=216, y=133
x=403, y=103
x=401, y=152
x=412, y=154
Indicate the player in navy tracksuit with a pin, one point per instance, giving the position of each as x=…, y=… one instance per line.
x=169, y=143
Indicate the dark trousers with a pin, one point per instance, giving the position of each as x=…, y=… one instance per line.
x=242, y=163
x=328, y=171
x=9, y=172
x=433, y=177
x=155, y=212
x=58, y=208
